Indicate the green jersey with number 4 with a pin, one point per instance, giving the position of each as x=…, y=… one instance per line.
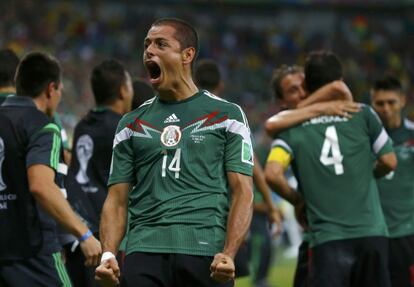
x=397, y=188
x=332, y=160
x=177, y=154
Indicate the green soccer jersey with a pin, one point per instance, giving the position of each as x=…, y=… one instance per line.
x=177, y=155
x=332, y=160
x=397, y=188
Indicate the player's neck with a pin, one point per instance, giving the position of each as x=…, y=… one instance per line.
x=117, y=107
x=9, y=89
x=394, y=123
x=179, y=92
x=41, y=103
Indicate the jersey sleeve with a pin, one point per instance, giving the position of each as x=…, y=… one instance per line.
x=44, y=147
x=280, y=151
x=122, y=163
x=381, y=143
x=238, y=155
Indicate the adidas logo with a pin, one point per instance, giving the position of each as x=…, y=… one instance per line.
x=171, y=119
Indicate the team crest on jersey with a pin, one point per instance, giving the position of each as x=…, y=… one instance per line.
x=171, y=136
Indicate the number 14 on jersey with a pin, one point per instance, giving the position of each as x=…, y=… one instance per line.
x=174, y=166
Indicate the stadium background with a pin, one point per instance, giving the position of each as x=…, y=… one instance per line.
x=248, y=39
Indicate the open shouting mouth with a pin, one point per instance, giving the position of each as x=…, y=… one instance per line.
x=154, y=71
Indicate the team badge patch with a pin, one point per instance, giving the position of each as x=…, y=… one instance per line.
x=171, y=136
x=247, y=153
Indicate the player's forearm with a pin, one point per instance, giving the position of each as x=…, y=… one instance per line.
x=113, y=220
x=282, y=188
x=53, y=202
x=385, y=164
x=275, y=177
x=336, y=90
x=261, y=208
x=260, y=182
x=240, y=214
x=287, y=119
x=49, y=196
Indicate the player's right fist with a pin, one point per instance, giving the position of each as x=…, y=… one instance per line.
x=108, y=273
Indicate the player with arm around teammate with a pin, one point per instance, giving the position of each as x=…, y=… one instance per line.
x=337, y=184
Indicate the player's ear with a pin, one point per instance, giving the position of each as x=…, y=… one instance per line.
x=187, y=55
x=403, y=100
x=50, y=89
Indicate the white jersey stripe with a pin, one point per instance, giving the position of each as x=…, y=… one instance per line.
x=62, y=168
x=147, y=102
x=380, y=141
x=282, y=143
x=239, y=128
x=123, y=135
x=409, y=124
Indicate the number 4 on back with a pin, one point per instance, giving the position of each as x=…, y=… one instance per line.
x=331, y=143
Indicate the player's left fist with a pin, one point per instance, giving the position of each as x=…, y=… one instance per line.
x=222, y=268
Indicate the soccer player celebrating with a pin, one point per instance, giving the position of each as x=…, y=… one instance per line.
x=336, y=181
x=287, y=83
x=178, y=151
x=30, y=198
x=91, y=160
x=397, y=188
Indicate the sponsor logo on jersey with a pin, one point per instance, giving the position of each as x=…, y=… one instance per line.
x=172, y=119
x=171, y=136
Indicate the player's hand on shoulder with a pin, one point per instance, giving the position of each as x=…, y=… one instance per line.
x=340, y=108
x=108, y=273
x=222, y=268
x=92, y=250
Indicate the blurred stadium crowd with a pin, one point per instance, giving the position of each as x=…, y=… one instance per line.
x=248, y=41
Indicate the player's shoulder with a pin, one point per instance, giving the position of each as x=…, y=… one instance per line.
x=145, y=105
x=137, y=113
x=409, y=125
x=34, y=120
x=232, y=109
x=212, y=98
x=368, y=112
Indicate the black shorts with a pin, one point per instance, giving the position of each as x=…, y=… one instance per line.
x=359, y=262
x=42, y=270
x=241, y=261
x=302, y=266
x=168, y=270
x=402, y=261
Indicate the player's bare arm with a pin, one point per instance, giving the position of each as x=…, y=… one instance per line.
x=260, y=182
x=332, y=99
x=46, y=192
x=334, y=91
x=385, y=164
x=112, y=230
x=238, y=223
x=275, y=177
